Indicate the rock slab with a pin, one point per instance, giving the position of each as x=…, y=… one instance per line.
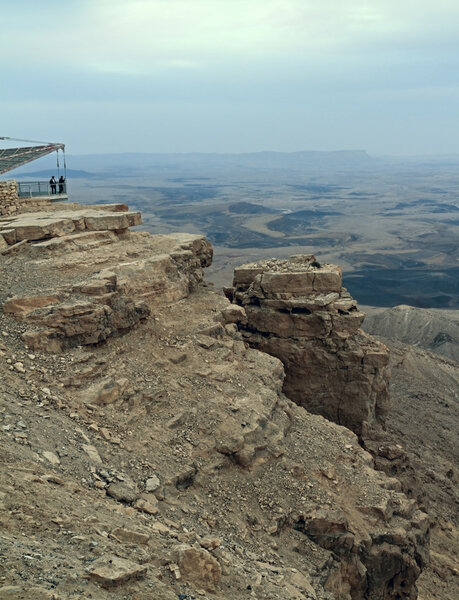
x=112, y=571
x=199, y=567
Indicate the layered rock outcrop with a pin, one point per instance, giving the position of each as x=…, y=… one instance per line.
x=44, y=225
x=298, y=311
x=71, y=321
x=177, y=439
x=73, y=311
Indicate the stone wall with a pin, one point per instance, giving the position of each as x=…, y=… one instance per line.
x=11, y=204
x=8, y=197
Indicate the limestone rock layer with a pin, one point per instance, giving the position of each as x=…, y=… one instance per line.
x=95, y=303
x=166, y=462
x=298, y=311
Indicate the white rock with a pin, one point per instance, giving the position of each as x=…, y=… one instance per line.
x=52, y=458
x=92, y=452
x=152, y=484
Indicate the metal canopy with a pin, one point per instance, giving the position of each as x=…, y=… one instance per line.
x=11, y=158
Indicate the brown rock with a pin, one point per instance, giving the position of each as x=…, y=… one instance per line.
x=14, y=248
x=93, y=453
x=132, y=537
x=80, y=322
x=46, y=340
x=198, y=567
x=161, y=528
x=20, y=307
x=167, y=277
x=215, y=331
x=302, y=282
x=123, y=492
x=233, y=314
x=45, y=225
x=146, y=506
x=96, y=287
x=245, y=274
x=101, y=220
x=297, y=311
x=384, y=566
x=293, y=283
x=36, y=228
x=134, y=218
x=112, y=571
x=245, y=456
x=210, y=543
x=52, y=458
x=83, y=240
x=229, y=443
x=107, y=391
x=9, y=235
x=105, y=433
x=114, y=207
x=300, y=581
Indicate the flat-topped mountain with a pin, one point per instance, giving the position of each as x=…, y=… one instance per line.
x=141, y=160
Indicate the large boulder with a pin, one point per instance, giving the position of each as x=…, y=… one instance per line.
x=199, y=567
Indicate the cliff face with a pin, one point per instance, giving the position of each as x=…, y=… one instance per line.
x=166, y=447
x=91, y=304
x=298, y=311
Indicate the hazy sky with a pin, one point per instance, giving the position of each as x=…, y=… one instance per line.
x=232, y=75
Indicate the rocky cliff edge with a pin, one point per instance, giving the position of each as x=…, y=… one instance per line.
x=150, y=452
x=298, y=311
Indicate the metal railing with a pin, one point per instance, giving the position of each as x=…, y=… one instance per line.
x=30, y=189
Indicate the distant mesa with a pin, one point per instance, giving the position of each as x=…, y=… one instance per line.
x=346, y=159
x=248, y=208
x=45, y=173
x=315, y=188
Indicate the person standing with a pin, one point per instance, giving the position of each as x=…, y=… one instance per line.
x=52, y=183
x=61, y=184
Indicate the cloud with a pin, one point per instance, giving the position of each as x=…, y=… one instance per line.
x=144, y=36
x=234, y=74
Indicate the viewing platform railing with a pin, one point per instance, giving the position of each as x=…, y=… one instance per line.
x=31, y=189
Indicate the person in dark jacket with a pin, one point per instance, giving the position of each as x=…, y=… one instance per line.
x=52, y=183
x=61, y=184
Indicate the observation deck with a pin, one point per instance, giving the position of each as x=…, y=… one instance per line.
x=42, y=189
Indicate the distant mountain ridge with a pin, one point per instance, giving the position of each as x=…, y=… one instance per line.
x=302, y=159
x=45, y=173
x=434, y=330
x=345, y=158
x=259, y=160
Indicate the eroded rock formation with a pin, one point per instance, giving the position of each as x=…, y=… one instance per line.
x=298, y=311
x=171, y=453
x=58, y=223
x=92, y=313
x=89, y=311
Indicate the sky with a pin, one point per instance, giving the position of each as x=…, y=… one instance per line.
x=232, y=75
